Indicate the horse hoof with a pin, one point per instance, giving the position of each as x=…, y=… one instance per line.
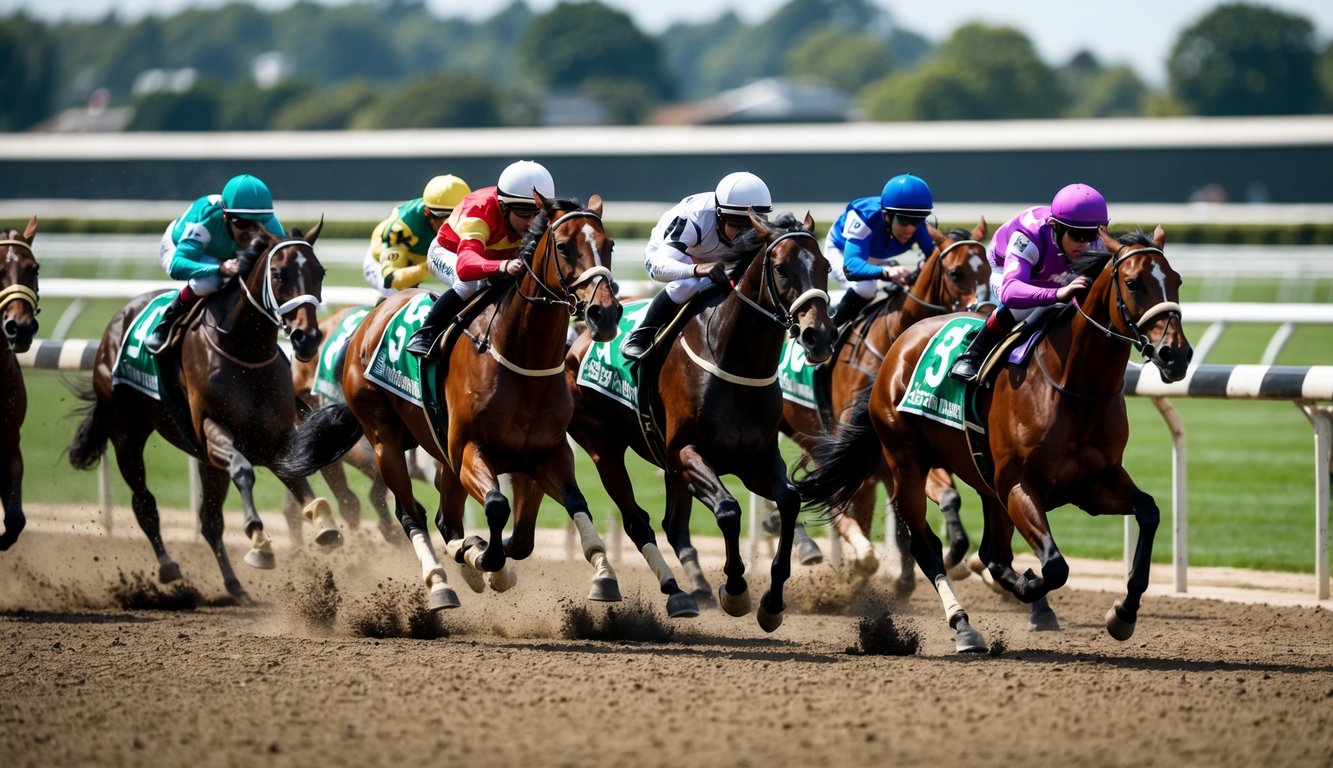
x=475, y=579
x=605, y=591
x=392, y=534
x=502, y=580
x=1043, y=619
x=329, y=538
x=168, y=572
x=905, y=584
x=682, y=605
x=264, y=561
x=808, y=553
x=703, y=598
x=443, y=596
x=733, y=605
x=1117, y=627
x=966, y=639
x=769, y=621
x=958, y=571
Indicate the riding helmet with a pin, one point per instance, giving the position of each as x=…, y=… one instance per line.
x=907, y=194
x=247, y=197
x=518, y=181
x=443, y=193
x=1080, y=207
x=740, y=191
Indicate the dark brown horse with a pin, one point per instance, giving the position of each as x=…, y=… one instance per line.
x=956, y=277
x=228, y=401
x=18, y=320
x=505, y=403
x=1056, y=430
x=720, y=409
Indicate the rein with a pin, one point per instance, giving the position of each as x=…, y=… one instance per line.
x=939, y=271
x=18, y=291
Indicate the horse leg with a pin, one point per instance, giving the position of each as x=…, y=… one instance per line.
x=482, y=482
x=392, y=466
x=129, y=444
x=556, y=478
x=771, y=604
x=1114, y=497
x=902, y=536
x=807, y=550
x=1028, y=512
x=449, y=522
x=349, y=506
x=703, y=483
x=940, y=488
x=213, y=488
x=315, y=509
x=676, y=528
x=11, y=495
x=1041, y=616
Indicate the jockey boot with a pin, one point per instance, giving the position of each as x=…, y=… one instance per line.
x=849, y=308
x=988, y=335
x=178, y=308
x=446, y=309
x=661, y=310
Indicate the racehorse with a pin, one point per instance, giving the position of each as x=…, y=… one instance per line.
x=227, y=396
x=505, y=407
x=954, y=278
x=720, y=405
x=18, y=320
x=1055, y=430
x=304, y=376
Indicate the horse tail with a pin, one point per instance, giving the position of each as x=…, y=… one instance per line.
x=319, y=440
x=838, y=463
x=90, y=438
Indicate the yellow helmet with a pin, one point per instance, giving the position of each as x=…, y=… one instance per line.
x=443, y=194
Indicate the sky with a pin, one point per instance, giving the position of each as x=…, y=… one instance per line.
x=1139, y=33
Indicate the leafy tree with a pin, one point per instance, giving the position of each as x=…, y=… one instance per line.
x=685, y=47
x=248, y=107
x=197, y=109
x=1099, y=92
x=27, y=73
x=437, y=101
x=329, y=109
x=980, y=73
x=1325, y=74
x=1246, y=60
x=840, y=59
x=579, y=42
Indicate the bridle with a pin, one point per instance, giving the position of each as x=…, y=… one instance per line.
x=19, y=291
x=567, y=296
x=939, y=279
x=1167, y=308
x=267, y=304
x=783, y=315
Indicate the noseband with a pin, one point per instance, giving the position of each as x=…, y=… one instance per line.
x=567, y=295
x=18, y=291
x=784, y=316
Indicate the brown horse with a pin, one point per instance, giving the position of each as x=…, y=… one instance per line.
x=720, y=405
x=1055, y=431
x=228, y=397
x=18, y=319
x=506, y=407
x=955, y=277
x=304, y=374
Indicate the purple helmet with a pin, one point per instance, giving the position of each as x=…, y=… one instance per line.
x=1080, y=207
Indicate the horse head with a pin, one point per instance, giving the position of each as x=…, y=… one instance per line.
x=1141, y=295
x=284, y=280
x=959, y=277
x=790, y=282
x=569, y=254
x=18, y=286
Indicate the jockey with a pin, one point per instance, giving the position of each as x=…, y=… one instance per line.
x=1030, y=258
x=396, y=259
x=479, y=241
x=200, y=246
x=686, y=248
x=870, y=232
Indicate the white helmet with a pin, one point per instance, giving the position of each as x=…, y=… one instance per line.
x=519, y=180
x=740, y=191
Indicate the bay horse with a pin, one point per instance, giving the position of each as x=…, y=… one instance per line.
x=304, y=375
x=955, y=277
x=228, y=398
x=1055, y=431
x=18, y=321
x=720, y=406
x=507, y=408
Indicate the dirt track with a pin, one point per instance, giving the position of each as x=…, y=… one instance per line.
x=360, y=676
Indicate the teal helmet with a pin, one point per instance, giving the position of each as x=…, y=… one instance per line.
x=247, y=197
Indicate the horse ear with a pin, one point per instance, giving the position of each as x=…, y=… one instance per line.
x=809, y=222
x=979, y=231
x=935, y=235
x=31, y=229
x=541, y=202
x=313, y=234
x=760, y=225
x=595, y=204
x=1159, y=237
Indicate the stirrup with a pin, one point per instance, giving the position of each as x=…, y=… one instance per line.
x=964, y=369
x=421, y=337
x=635, y=349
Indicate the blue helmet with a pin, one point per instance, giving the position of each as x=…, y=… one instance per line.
x=247, y=197
x=907, y=194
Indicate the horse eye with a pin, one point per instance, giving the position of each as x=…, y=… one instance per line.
x=956, y=275
x=1133, y=285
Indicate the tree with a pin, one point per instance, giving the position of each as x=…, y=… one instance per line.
x=248, y=107
x=578, y=42
x=979, y=73
x=27, y=73
x=194, y=110
x=437, y=101
x=1100, y=92
x=840, y=59
x=330, y=109
x=1246, y=60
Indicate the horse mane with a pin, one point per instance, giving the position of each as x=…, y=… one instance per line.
x=750, y=242
x=538, y=225
x=958, y=234
x=250, y=253
x=1094, y=259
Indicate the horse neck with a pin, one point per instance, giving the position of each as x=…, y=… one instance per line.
x=245, y=330
x=530, y=333
x=1090, y=362
x=758, y=339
